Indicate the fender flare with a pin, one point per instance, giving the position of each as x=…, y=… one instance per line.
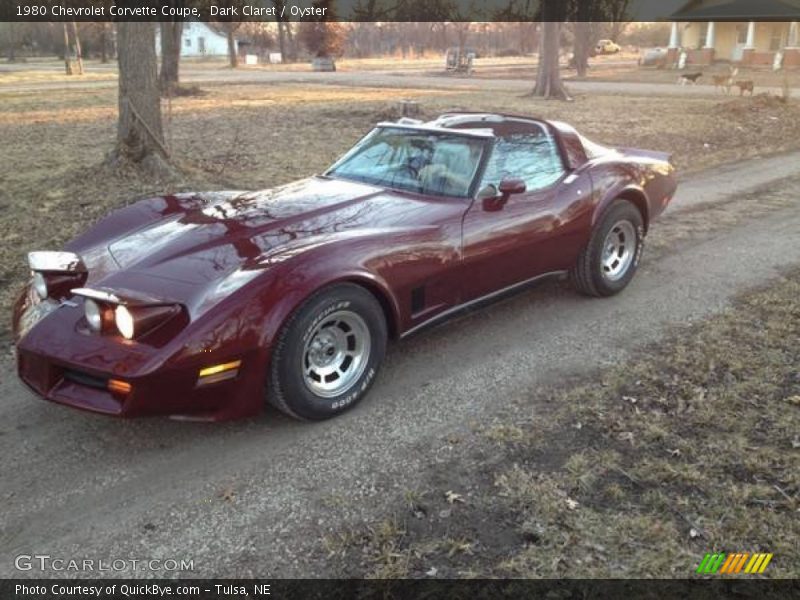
x=632, y=193
x=374, y=284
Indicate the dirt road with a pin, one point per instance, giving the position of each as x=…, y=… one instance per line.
x=408, y=78
x=255, y=497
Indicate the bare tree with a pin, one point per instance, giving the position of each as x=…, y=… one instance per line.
x=78, y=54
x=230, y=32
x=67, y=51
x=171, y=35
x=140, y=136
x=11, y=39
x=586, y=30
x=284, y=29
x=228, y=26
x=462, y=32
x=548, y=76
x=103, y=43
x=582, y=47
x=282, y=39
x=617, y=15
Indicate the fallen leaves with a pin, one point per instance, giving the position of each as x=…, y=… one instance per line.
x=453, y=498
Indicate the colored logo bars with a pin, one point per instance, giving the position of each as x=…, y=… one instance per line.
x=734, y=563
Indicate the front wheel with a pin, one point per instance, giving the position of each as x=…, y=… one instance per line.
x=328, y=354
x=609, y=261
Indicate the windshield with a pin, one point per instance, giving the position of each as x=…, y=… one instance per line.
x=419, y=161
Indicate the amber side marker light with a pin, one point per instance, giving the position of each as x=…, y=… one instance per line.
x=115, y=386
x=217, y=373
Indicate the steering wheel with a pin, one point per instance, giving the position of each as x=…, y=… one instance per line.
x=406, y=169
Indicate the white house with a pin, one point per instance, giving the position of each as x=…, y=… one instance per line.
x=199, y=40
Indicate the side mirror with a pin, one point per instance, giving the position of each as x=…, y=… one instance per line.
x=495, y=198
x=509, y=187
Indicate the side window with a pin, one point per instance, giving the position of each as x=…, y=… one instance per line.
x=531, y=156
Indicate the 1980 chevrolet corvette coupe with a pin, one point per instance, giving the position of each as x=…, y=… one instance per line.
x=202, y=305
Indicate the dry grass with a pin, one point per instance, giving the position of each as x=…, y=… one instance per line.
x=691, y=448
x=762, y=77
x=611, y=70
x=249, y=136
x=55, y=75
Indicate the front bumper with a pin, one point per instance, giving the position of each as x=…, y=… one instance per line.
x=61, y=363
x=172, y=393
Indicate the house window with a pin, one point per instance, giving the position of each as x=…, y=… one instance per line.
x=776, y=39
x=201, y=45
x=741, y=34
x=188, y=42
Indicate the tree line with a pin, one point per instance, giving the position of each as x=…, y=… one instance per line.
x=526, y=24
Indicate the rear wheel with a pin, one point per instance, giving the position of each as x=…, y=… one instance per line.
x=610, y=259
x=328, y=354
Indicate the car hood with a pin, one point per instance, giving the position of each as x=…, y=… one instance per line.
x=198, y=241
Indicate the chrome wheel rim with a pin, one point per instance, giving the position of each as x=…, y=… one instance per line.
x=336, y=354
x=619, y=248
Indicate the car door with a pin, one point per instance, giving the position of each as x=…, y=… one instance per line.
x=508, y=240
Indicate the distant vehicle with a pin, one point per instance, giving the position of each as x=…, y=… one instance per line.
x=652, y=56
x=606, y=47
x=201, y=305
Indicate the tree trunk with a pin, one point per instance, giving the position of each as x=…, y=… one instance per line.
x=548, y=78
x=12, y=41
x=617, y=27
x=583, y=32
x=140, y=136
x=104, y=43
x=171, y=35
x=282, y=40
x=292, y=41
x=232, y=54
x=67, y=52
x=78, y=56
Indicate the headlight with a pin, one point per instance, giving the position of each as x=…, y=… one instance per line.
x=94, y=316
x=40, y=285
x=124, y=320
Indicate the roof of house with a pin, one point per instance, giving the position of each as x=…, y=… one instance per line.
x=739, y=10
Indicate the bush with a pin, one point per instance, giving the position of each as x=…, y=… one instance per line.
x=323, y=38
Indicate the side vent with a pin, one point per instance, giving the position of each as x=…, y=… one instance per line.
x=417, y=299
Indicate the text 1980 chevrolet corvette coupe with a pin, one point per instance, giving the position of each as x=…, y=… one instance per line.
x=202, y=305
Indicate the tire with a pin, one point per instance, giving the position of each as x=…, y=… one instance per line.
x=328, y=353
x=601, y=272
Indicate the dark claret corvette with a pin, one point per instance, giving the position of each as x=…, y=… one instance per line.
x=202, y=305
